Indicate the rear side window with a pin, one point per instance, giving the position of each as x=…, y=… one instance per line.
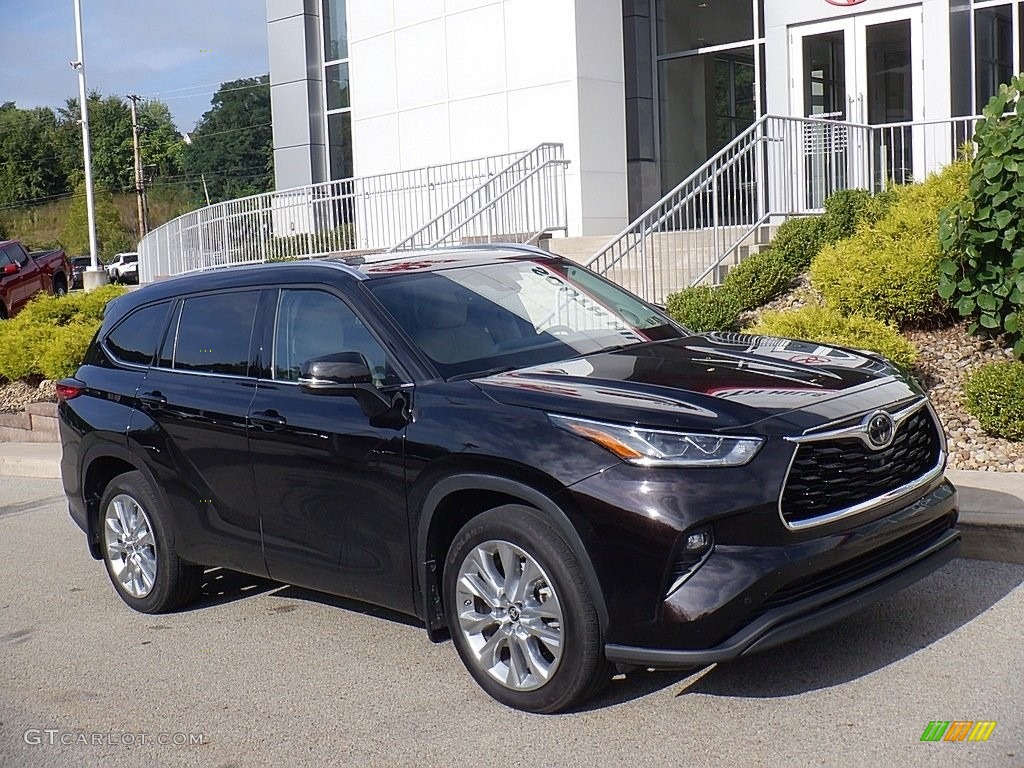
x=135, y=338
x=214, y=332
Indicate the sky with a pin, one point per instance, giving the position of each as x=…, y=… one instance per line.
x=177, y=51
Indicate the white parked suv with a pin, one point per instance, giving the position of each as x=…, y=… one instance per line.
x=124, y=268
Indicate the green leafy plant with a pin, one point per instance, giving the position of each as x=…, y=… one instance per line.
x=49, y=337
x=797, y=241
x=702, y=308
x=994, y=394
x=843, y=211
x=826, y=325
x=758, y=279
x=888, y=269
x=982, y=273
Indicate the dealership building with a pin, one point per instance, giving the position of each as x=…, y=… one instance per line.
x=639, y=92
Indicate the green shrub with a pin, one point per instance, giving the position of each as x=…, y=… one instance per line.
x=843, y=211
x=758, y=279
x=825, y=325
x=49, y=337
x=982, y=236
x=62, y=353
x=994, y=394
x=889, y=269
x=797, y=242
x=702, y=308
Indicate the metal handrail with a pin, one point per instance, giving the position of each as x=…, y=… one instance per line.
x=362, y=213
x=521, y=160
x=777, y=167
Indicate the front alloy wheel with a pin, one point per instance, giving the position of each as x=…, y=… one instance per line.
x=520, y=612
x=509, y=615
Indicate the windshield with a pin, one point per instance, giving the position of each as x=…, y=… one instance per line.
x=483, y=319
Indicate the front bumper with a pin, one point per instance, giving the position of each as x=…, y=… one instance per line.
x=786, y=622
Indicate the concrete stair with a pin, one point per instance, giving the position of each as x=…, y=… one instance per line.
x=36, y=424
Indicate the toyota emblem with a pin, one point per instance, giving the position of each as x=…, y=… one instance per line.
x=844, y=3
x=880, y=430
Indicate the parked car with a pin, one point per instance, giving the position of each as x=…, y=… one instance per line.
x=78, y=266
x=124, y=268
x=508, y=447
x=24, y=274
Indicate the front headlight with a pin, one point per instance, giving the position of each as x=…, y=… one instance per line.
x=657, y=448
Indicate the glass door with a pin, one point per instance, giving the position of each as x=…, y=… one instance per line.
x=856, y=72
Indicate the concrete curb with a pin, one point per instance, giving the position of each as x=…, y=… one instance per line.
x=991, y=503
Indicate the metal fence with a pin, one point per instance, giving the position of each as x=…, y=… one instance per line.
x=777, y=168
x=501, y=197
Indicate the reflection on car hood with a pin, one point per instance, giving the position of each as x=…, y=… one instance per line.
x=711, y=381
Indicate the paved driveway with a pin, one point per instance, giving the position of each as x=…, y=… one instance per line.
x=263, y=674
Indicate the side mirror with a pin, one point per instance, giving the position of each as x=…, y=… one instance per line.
x=332, y=374
x=344, y=373
x=10, y=269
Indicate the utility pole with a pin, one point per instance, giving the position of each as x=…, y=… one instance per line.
x=140, y=184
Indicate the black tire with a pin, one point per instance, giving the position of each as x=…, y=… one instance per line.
x=175, y=582
x=578, y=669
x=60, y=287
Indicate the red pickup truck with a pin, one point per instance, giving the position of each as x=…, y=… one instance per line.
x=24, y=274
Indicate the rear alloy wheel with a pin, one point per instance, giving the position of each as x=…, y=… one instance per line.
x=520, y=614
x=143, y=567
x=60, y=287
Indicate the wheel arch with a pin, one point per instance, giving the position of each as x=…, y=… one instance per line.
x=99, y=469
x=455, y=500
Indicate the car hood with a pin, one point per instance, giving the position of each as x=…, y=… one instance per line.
x=717, y=382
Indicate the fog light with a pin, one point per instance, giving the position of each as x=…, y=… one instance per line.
x=692, y=554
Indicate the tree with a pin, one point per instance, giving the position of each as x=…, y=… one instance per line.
x=110, y=129
x=111, y=235
x=233, y=142
x=29, y=165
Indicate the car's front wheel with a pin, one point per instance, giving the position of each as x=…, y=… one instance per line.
x=520, y=614
x=141, y=562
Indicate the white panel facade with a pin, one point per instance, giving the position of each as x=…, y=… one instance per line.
x=471, y=78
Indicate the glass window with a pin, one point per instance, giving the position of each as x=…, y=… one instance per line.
x=993, y=41
x=337, y=87
x=339, y=139
x=135, y=338
x=684, y=25
x=335, y=30
x=825, y=75
x=312, y=323
x=214, y=332
x=960, y=57
x=705, y=102
x=508, y=315
x=5, y=259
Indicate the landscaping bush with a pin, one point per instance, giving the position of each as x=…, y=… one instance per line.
x=994, y=394
x=843, y=211
x=702, y=308
x=826, y=325
x=797, y=242
x=889, y=268
x=982, y=236
x=758, y=279
x=49, y=337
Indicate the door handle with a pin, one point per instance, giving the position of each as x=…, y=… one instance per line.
x=154, y=400
x=268, y=419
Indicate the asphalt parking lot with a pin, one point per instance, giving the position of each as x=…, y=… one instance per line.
x=259, y=673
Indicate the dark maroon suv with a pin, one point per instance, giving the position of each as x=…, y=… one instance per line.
x=509, y=448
